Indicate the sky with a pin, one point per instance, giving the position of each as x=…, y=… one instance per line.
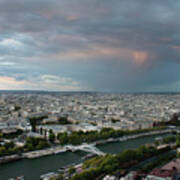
x=90, y=45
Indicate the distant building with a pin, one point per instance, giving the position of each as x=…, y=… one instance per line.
x=170, y=171
x=9, y=131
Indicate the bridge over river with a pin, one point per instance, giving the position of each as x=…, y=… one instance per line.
x=90, y=148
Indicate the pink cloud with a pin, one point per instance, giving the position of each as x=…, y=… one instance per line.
x=165, y=39
x=72, y=17
x=176, y=47
x=50, y=13
x=48, y=82
x=12, y=83
x=92, y=52
x=138, y=57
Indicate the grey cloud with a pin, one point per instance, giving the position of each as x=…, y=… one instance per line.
x=49, y=27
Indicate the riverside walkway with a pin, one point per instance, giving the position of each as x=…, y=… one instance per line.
x=90, y=148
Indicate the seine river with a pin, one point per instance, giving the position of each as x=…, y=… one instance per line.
x=33, y=168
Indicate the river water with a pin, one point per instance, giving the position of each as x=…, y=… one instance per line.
x=33, y=168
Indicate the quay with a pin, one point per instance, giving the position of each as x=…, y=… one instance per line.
x=10, y=158
x=44, y=152
x=129, y=137
x=90, y=148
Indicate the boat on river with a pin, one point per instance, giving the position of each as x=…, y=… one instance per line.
x=17, y=178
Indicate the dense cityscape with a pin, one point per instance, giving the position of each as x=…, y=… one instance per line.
x=88, y=111
x=34, y=125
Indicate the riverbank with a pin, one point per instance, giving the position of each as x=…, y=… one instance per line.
x=10, y=158
x=126, y=138
x=61, y=149
x=51, y=163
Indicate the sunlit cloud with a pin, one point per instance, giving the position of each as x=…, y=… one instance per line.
x=176, y=47
x=140, y=57
x=120, y=54
x=10, y=83
x=7, y=63
x=10, y=42
x=42, y=82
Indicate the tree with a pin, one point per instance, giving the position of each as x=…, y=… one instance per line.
x=63, y=120
x=51, y=136
x=9, y=145
x=35, y=143
x=2, y=150
x=17, y=108
x=178, y=142
x=36, y=121
x=33, y=124
x=72, y=170
x=41, y=130
x=63, y=138
x=1, y=135
x=42, y=144
x=169, y=139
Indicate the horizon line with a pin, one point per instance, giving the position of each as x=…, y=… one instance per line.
x=90, y=91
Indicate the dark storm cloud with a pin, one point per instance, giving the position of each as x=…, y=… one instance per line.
x=107, y=45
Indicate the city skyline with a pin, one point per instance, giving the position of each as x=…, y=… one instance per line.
x=91, y=45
